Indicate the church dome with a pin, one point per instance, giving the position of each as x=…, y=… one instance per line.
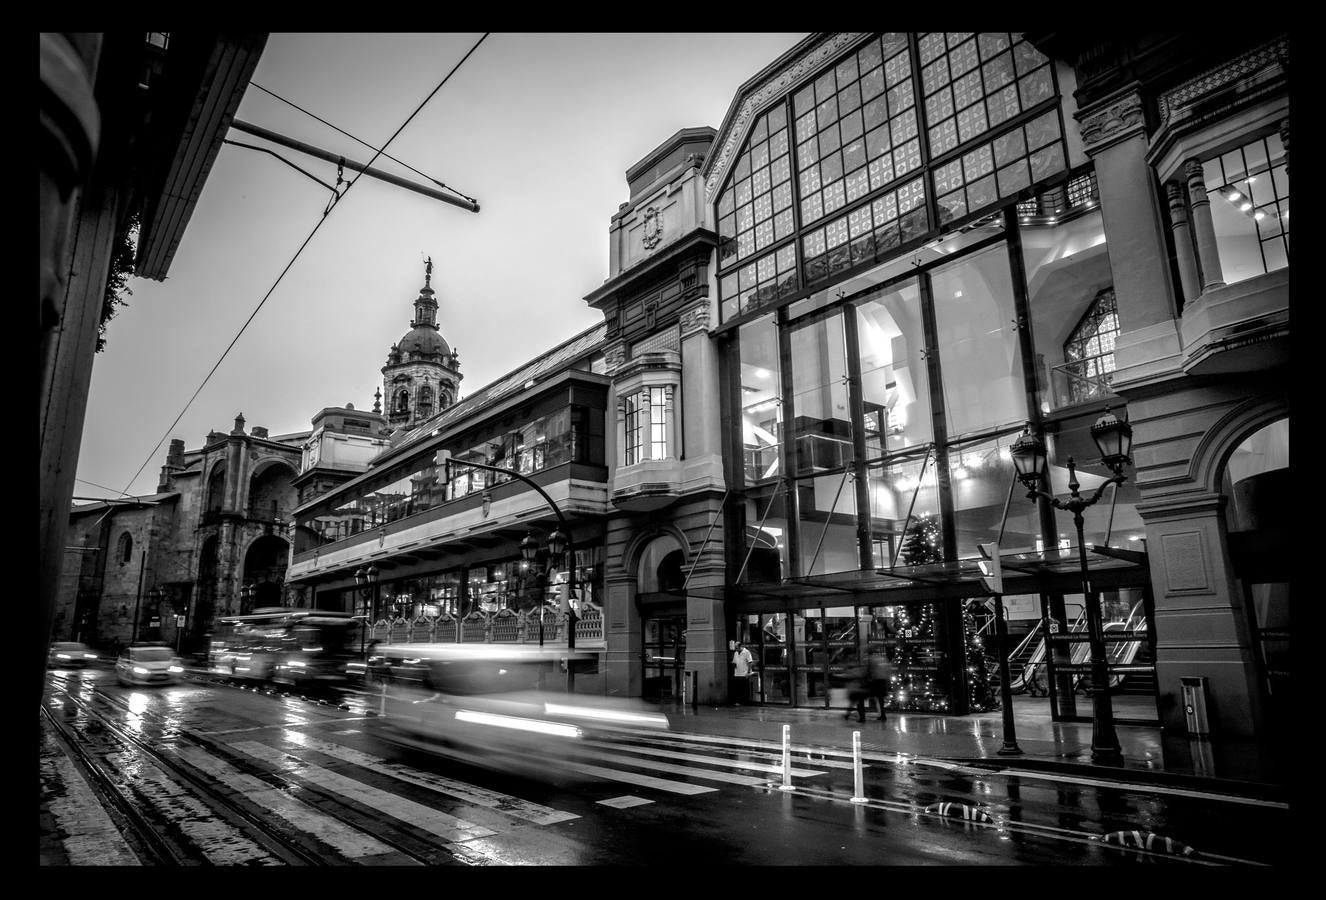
x=424, y=341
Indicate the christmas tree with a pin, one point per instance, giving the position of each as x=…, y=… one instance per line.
x=914, y=687
x=980, y=692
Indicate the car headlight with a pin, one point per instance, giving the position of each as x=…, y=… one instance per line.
x=139, y=670
x=89, y=656
x=176, y=669
x=62, y=656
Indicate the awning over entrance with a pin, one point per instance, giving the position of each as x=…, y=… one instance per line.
x=1031, y=572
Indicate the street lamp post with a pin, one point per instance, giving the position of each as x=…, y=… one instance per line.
x=1113, y=437
x=367, y=579
x=563, y=543
x=558, y=544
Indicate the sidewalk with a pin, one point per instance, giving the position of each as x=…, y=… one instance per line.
x=1047, y=746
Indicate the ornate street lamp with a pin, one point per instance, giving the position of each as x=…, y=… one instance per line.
x=529, y=553
x=360, y=578
x=1114, y=440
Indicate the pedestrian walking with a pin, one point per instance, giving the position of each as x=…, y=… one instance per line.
x=742, y=661
x=854, y=684
x=878, y=682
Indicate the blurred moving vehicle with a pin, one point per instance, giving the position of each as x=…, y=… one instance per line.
x=502, y=706
x=153, y=663
x=70, y=654
x=287, y=645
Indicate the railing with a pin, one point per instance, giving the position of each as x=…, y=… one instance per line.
x=502, y=627
x=1068, y=386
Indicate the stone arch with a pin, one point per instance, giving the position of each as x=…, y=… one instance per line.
x=265, y=561
x=205, y=592
x=645, y=553
x=216, y=487
x=271, y=494
x=1207, y=467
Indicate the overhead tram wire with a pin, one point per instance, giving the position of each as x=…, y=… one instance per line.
x=365, y=143
x=103, y=487
x=323, y=218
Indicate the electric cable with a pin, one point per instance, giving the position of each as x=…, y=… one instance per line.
x=361, y=141
x=293, y=259
x=103, y=487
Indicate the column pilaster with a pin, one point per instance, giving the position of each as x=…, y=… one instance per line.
x=1178, y=222
x=1208, y=257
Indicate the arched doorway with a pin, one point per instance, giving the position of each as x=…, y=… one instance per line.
x=264, y=571
x=660, y=577
x=1256, y=482
x=205, y=590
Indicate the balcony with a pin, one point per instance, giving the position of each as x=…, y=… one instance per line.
x=1241, y=327
x=647, y=485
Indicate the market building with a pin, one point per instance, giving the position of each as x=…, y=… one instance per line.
x=830, y=328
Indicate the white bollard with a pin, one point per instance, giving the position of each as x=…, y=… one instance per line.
x=787, y=760
x=858, y=780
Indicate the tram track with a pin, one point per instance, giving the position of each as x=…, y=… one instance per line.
x=155, y=845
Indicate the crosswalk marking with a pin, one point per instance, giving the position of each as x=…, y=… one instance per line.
x=661, y=784
x=447, y=827
x=349, y=842
x=689, y=771
x=821, y=758
x=711, y=760
x=625, y=802
x=505, y=803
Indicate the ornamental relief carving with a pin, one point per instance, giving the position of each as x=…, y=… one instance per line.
x=653, y=228
x=1276, y=51
x=696, y=318
x=777, y=84
x=1100, y=125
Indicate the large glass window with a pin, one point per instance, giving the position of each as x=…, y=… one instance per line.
x=1249, y=192
x=1068, y=275
x=904, y=495
x=860, y=189
x=761, y=400
x=1089, y=350
x=826, y=506
x=973, y=83
x=646, y=425
x=822, y=430
x=894, y=386
x=980, y=477
x=984, y=387
x=766, y=547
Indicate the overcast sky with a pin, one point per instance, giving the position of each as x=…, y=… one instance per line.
x=539, y=129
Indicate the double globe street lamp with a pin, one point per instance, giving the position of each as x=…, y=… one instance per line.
x=557, y=548
x=367, y=579
x=1114, y=440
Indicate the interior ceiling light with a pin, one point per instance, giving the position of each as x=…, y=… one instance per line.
x=1259, y=215
x=1245, y=207
x=1235, y=195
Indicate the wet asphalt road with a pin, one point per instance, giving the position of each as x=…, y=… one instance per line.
x=212, y=774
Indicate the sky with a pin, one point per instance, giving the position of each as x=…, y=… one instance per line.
x=538, y=128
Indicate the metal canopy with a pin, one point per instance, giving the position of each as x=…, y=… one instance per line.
x=1029, y=572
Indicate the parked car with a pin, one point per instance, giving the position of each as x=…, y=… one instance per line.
x=70, y=654
x=148, y=664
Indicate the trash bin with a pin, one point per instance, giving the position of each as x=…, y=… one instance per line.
x=1194, y=704
x=688, y=683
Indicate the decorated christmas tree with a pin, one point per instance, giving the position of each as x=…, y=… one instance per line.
x=914, y=686
x=980, y=692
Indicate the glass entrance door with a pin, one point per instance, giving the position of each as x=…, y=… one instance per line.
x=664, y=657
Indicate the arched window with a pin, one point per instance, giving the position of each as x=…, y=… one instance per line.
x=425, y=401
x=125, y=549
x=1089, y=350
x=403, y=401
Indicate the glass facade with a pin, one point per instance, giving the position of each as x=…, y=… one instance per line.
x=898, y=137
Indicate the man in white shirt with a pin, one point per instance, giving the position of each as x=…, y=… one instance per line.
x=742, y=662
